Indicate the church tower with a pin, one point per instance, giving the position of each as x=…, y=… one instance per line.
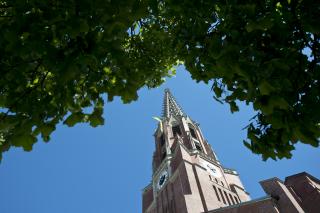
x=187, y=175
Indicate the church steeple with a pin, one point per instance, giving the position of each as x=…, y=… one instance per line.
x=170, y=105
x=187, y=176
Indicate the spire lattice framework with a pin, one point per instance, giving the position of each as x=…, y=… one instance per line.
x=170, y=106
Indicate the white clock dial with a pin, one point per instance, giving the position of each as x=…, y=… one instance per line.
x=212, y=169
x=162, y=179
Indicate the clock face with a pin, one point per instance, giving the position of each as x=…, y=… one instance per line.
x=162, y=179
x=212, y=169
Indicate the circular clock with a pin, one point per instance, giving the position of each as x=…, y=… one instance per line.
x=212, y=169
x=162, y=179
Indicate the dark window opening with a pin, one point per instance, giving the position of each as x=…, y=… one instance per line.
x=198, y=146
x=227, y=197
x=163, y=156
x=224, y=201
x=222, y=183
x=162, y=140
x=236, y=199
x=215, y=190
x=193, y=133
x=176, y=131
x=232, y=199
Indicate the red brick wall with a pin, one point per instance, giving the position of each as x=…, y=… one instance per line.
x=147, y=198
x=307, y=191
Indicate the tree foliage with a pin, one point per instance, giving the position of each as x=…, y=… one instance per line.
x=59, y=57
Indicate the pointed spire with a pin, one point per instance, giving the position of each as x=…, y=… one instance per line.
x=170, y=105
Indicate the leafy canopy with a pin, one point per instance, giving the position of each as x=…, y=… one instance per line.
x=59, y=57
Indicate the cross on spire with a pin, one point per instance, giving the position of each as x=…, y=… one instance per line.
x=170, y=105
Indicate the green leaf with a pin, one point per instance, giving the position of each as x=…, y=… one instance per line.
x=279, y=102
x=26, y=141
x=75, y=118
x=218, y=91
x=217, y=99
x=83, y=26
x=277, y=122
x=262, y=24
x=233, y=107
x=107, y=70
x=305, y=137
x=46, y=131
x=96, y=118
x=265, y=88
x=248, y=145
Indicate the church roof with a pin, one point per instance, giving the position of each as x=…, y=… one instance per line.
x=170, y=105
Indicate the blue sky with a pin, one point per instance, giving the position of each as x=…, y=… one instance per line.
x=84, y=169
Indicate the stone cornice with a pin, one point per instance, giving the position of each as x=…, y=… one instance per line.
x=230, y=171
x=241, y=204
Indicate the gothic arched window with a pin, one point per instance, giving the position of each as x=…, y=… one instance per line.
x=193, y=132
x=176, y=131
x=197, y=145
